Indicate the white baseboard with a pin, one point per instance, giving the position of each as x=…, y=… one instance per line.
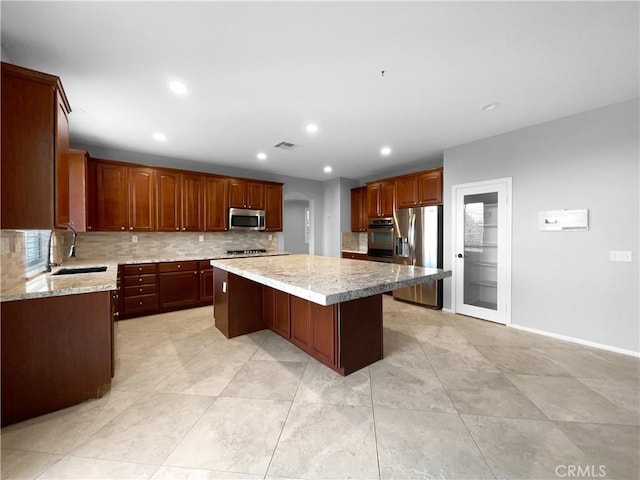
x=447, y=310
x=577, y=340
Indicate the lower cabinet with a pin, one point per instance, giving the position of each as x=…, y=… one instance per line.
x=56, y=352
x=355, y=256
x=148, y=288
x=313, y=329
x=179, y=284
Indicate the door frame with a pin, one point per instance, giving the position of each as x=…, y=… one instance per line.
x=507, y=181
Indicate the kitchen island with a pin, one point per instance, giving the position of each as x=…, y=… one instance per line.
x=329, y=307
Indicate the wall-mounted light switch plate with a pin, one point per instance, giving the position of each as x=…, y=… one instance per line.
x=134, y=238
x=619, y=255
x=201, y=238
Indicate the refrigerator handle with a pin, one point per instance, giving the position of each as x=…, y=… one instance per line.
x=412, y=238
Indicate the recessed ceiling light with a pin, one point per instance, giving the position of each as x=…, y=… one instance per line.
x=328, y=169
x=178, y=87
x=385, y=151
x=312, y=128
x=161, y=137
x=490, y=106
x=262, y=156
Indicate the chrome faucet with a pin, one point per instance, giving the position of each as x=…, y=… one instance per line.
x=50, y=262
x=72, y=250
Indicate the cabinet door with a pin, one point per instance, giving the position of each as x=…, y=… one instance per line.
x=387, y=194
x=237, y=193
x=62, y=209
x=255, y=195
x=141, y=199
x=269, y=307
x=192, y=203
x=169, y=197
x=206, y=282
x=79, y=202
x=273, y=208
x=407, y=191
x=300, y=322
x=359, y=209
x=323, y=332
x=178, y=289
x=111, y=192
x=430, y=188
x=373, y=200
x=282, y=318
x=216, y=201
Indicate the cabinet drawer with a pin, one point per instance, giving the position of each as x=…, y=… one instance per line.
x=178, y=266
x=140, y=280
x=140, y=303
x=139, y=290
x=140, y=269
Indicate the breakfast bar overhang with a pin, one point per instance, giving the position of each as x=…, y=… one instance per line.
x=329, y=307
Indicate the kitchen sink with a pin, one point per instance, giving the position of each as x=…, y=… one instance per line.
x=75, y=270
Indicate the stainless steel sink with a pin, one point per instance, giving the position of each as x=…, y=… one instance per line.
x=76, y=270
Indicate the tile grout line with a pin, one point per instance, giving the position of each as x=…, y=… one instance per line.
x=375, y=430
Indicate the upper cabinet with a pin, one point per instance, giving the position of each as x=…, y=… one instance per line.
x=216, y=203
x=246, y=194
x=273, y=207
x=142, y=202
x=359, y=209
x=35, y=147
x=180, y=201
x=418, y=189
x=380, y=198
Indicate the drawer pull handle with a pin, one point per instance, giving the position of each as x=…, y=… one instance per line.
x=140, y=303
x=139, y=279
x=179, y=266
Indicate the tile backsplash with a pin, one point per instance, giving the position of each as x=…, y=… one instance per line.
x=116, y=246
x=11, y=259
x=354, y=241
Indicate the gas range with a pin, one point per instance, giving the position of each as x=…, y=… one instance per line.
x=245, y=252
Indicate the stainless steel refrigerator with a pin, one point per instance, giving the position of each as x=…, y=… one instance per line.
x=417, y=240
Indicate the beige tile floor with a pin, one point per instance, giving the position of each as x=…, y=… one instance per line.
x=454, y=397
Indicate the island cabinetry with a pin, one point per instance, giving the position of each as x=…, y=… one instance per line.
x=355, y=256
x=246, y=194
x=56, y=352
x=216, y=203
x=313, y=329
x=359, y=209
x=419, y=189
x=237, y=304
x=35, y=146
x=380, y=198
x=179, y=284
x=273, y=207
x=140, y=289
x=276, y=311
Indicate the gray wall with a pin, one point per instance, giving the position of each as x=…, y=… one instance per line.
x=563, y=282
x=293, y=221
x=332, y=238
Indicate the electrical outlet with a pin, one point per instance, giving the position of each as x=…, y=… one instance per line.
x=134, y=238
x=201, y=238
x=270, y=237
x=619, y=255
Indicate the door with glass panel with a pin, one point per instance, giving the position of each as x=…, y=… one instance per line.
x=482, y=265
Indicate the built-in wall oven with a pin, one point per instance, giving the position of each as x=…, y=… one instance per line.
x=380, y=239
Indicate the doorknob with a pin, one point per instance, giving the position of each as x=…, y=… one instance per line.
x=460, y=255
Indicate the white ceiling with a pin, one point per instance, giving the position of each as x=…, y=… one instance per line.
x=257, y=73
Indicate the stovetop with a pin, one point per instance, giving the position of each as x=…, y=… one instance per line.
x=244, y=252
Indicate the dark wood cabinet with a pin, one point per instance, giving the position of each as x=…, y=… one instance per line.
x=313, y=329
x=169, y=201
x=276, y=311
x=139, y=290
x=206, y=282
x=246, y=194
x=192, y=203
x=273, y=207
x=419, y=189
x=380, y=198
x=236, y=297
x=355, y=256
x=35, y=145
x=216, y=203
x=56, y=352
x=359, y=209
x=141, y=200
x=179, y=284
x=111, y=196
x=81, y=186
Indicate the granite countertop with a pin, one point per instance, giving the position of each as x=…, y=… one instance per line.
x=49, y=285
x=329, y=280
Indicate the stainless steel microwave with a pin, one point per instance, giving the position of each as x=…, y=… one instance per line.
x=246, y=219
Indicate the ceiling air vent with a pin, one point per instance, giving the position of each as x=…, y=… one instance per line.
x=285, y=146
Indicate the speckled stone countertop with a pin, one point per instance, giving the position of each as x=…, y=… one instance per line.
x=49, y=285
x=329, y=280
